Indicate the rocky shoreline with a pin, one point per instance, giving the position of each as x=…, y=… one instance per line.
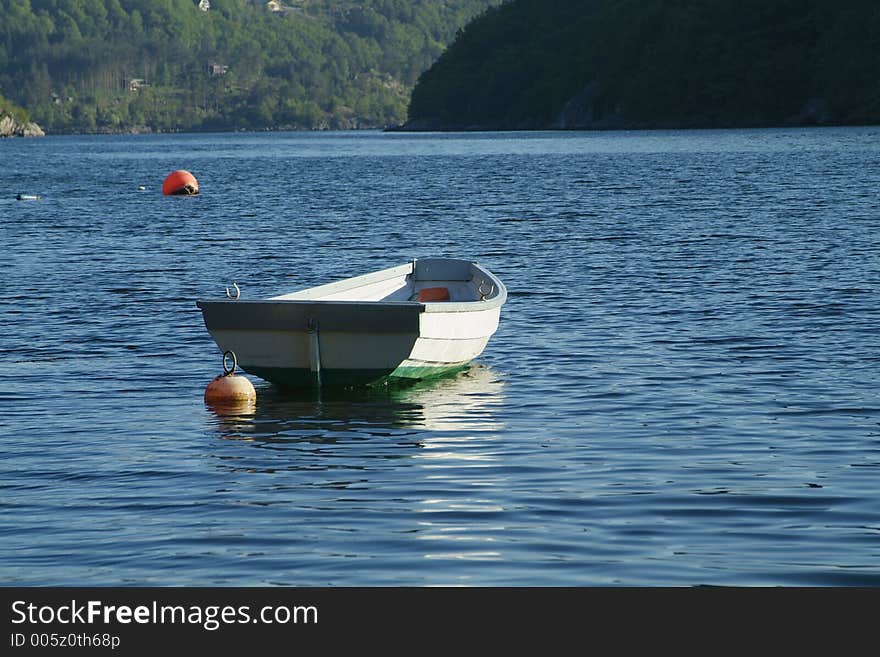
x=577, y=114
x=12, y=127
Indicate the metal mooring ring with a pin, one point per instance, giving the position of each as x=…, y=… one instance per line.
x=226, y=370
x=237, y=292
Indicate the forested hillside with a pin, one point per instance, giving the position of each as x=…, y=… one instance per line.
x=123, y=65
x=657, y=63
x=8, y=108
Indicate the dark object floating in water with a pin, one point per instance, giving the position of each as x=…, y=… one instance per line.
x=180, y=183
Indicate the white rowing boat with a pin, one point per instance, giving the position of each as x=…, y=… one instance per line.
x=414, y=321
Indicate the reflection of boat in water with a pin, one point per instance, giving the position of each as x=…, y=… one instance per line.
x=468, y=401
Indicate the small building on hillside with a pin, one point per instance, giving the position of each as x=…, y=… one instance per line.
x=277, y=8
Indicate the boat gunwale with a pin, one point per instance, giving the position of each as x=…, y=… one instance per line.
x=498, y=298
x=349, y=283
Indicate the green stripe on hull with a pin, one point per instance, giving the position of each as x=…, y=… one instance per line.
x=426, y=371
x=288, y=377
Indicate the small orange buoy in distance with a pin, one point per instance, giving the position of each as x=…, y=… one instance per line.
x=180, y=183
x=229, y=389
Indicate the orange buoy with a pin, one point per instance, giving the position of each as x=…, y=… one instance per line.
x=228, y=388
x=180, y=183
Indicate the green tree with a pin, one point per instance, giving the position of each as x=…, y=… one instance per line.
x=305, y=68
x=655, y=63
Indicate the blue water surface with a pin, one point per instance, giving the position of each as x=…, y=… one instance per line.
x=683, y=389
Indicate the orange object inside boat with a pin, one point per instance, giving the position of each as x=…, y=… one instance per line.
x=433, y=294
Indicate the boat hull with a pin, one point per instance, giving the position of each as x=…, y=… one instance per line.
x=306, y=378
x=294, y=341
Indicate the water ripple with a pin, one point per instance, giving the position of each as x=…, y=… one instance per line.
x=683, y=389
